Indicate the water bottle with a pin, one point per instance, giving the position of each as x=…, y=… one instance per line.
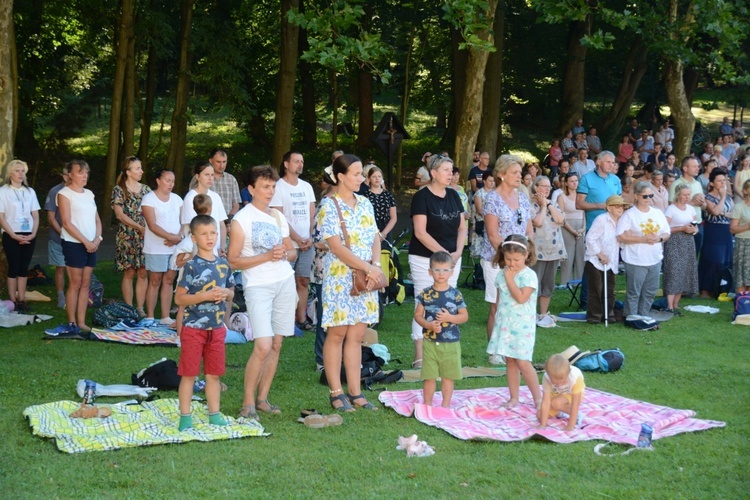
x=89, y=393
x=644, y=437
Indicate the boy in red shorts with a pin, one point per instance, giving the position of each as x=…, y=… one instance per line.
x=205, y=286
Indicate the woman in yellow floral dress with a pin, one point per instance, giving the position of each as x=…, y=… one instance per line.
x=345, y=316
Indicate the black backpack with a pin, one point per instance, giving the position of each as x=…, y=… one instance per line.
x=162, y=375
x=371, y=371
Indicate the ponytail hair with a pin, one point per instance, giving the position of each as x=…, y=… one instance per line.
x=123, y=177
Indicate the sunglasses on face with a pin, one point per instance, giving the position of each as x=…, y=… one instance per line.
x=520, y=218
x=647, y=196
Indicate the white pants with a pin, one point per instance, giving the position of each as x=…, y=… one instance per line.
x=421, y=278
x=490, y=274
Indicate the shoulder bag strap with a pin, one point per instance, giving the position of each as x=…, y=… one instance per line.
x=341, y=221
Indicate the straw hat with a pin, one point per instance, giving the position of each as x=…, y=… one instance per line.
x=573, y=354
x=615, y=199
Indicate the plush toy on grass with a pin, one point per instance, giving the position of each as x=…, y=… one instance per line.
x=89, y=411
x=414, y=447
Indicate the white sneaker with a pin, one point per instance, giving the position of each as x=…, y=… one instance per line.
x=167, y=321
x=545, y=321
x=497, y=359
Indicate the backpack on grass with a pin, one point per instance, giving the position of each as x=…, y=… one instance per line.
x=741, y=304
x=641, y=323
x=96, y=292
x=162, y=375
x=606, y=361
x=111, y=314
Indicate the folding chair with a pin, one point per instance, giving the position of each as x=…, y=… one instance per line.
x=574, y=287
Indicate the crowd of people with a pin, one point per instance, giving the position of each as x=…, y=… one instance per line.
x=583, y=210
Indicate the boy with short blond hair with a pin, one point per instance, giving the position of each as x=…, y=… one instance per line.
x=440, y=309
x=204, y=288
x=563, y=389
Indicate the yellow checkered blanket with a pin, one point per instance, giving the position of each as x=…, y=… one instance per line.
x=149, y=423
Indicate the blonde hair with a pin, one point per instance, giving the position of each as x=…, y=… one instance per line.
x=12, y=165
x=503, y=163
x=557, y=366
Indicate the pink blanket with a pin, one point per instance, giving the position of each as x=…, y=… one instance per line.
x=476, y=414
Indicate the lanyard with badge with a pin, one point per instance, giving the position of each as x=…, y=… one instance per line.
x=22, y=218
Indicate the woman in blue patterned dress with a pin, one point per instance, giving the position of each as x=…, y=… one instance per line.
x=717, y=252
x=345, y=316
x=129, y=258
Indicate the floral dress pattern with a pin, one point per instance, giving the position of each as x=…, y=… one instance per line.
x=515, y=324
x=129, y=243
x=339, y=307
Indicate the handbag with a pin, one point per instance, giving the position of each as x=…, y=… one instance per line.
x=359, y=277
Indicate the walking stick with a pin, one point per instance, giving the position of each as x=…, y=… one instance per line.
x=606, y=302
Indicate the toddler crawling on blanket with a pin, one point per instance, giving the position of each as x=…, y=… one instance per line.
x=563, y=388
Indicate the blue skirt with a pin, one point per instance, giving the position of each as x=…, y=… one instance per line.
x=717, y=254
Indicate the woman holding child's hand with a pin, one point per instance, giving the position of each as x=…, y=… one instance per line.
x=260, y=246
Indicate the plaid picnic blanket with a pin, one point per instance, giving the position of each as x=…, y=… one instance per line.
x=476, y=415
x=146, y=424
x=137, y=336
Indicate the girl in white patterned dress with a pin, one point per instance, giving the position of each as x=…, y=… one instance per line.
x=515, y=323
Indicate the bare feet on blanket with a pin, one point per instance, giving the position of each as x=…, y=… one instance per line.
x=84, y=328
x=511, y=403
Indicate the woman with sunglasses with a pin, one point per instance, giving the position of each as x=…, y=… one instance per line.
x=641, y=231
x=506, y=211
x=573, y=229
x=129, y=258
x=680, y=269
x=439, y=224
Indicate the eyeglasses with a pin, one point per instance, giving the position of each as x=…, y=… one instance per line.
x=441, y=271
x=647, y=196
x=520, y=218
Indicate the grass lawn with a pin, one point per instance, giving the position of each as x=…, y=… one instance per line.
x=696, y=362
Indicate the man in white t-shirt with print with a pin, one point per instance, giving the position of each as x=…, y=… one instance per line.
x=296, y=200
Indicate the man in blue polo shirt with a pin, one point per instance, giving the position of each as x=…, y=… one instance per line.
x=593, y=190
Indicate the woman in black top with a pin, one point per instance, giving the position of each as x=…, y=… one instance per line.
x=439, y=224
x=382, y=201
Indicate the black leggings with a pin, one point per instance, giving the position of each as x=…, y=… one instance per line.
x=19, y=256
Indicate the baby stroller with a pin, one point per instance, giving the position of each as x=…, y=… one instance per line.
x=395, y=292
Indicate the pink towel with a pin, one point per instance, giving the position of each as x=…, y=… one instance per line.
x=476, y=414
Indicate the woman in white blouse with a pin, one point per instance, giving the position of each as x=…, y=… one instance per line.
x=19, y=219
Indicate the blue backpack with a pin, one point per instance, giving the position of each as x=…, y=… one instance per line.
x=606, y=361
x=741, y=304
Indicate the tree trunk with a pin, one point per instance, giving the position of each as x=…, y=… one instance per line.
x=571, y=105
x=364, y=98
x=8, y=83
x=691, y=77
x=309, y=118
x=488, y=131
x=176, y=155
x=147, y=115
x=679, y=106
x=128, y=129
x=632, y=74
x=282, y=127
x=684, y=121
x=126, y=20
x=404, y=105
x=458, y=79
x=471, y=103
